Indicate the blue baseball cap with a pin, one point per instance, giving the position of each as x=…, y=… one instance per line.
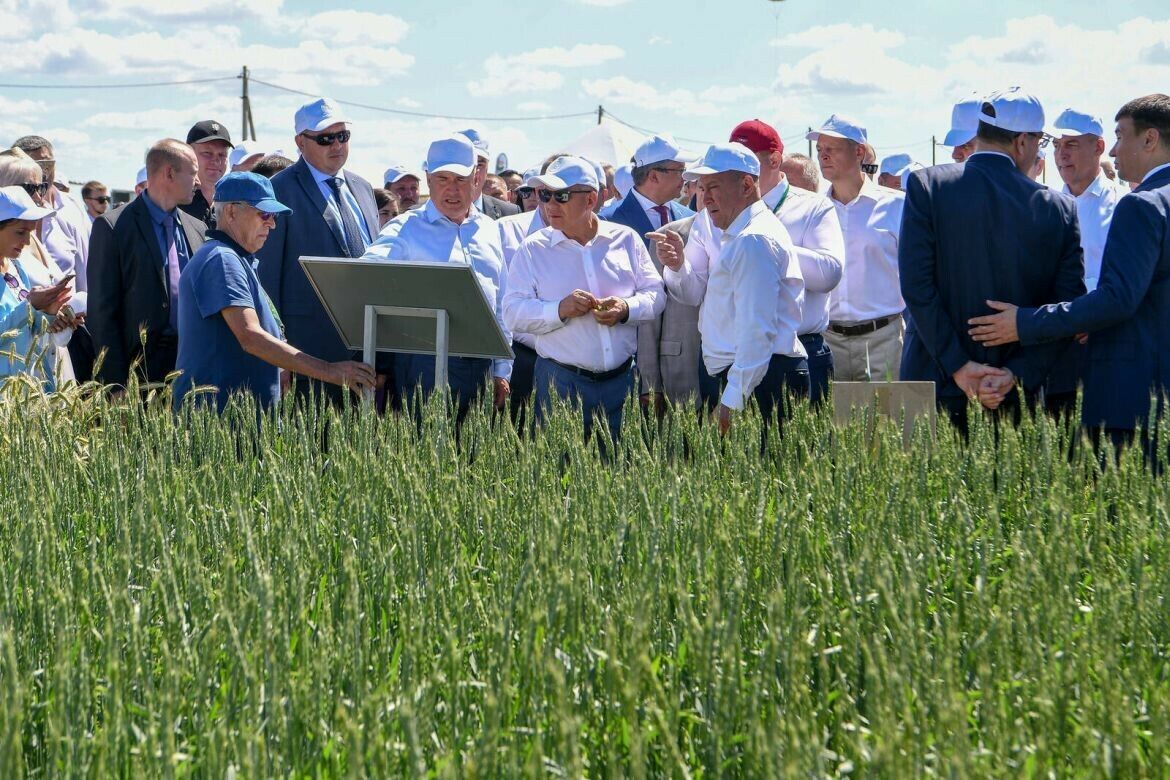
x=250, y=188
x=721, y=158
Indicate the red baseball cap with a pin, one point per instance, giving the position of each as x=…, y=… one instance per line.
x=757, y=135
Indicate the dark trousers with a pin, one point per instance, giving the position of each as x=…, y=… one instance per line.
x=820, y=367
x=522, y=382
x=466, y=379
x=787, y=378
x=605, y=397
x=955, y=407
x=82, y=354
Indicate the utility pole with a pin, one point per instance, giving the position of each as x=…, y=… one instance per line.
x=934, y=150
x=248, y=123
x=600, y=114
x=810, y=154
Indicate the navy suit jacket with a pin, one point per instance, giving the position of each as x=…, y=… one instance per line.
x=129, y=291
x=1128, y=315
x=628, y=211
x=972, y=232
x=314, y=230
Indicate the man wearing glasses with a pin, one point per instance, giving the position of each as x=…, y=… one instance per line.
x=984, y=231
x=658, y=179
x=97, y=199
x=581, y=286
x=334, y=215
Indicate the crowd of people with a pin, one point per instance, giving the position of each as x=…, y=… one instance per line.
x=748, y=274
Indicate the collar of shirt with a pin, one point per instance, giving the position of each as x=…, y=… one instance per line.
x=605, y=229
x=777, y=193
x=647, y=205
x=224, y=238
x=1095, y=189
x=989, y=151
x=478, y=204
x=323, y=178
x=1155, y=170
x=157, y=215
x=432, y=214
x=742, y=219
x=869, y=189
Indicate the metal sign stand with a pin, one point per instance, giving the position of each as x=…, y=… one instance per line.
x=370, y=338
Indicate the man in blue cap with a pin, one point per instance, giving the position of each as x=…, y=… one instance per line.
x=230, y=336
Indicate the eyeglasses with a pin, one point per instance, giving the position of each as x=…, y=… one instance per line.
x=669, y=170
x=102, y=199
x=267, y=215
x=1044, y=138
x=525, y=192
x=37, y=189
x=560, y=196
x=14, y=283
x=870, y=168
x=327, y=139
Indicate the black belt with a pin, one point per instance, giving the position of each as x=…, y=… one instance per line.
x=596, y=376
x=862, y=328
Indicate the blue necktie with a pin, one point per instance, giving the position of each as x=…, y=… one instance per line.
x=355, y=244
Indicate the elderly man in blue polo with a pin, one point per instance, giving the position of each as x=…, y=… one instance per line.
x=230, y=336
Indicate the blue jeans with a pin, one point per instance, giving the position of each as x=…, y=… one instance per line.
x=593, y=397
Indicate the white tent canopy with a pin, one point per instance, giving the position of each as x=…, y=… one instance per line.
x=607, y=142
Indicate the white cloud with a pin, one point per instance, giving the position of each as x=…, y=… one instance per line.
x=838, y=34
x=350, y=27
x=533, y=106
x=621, y=90
x=539, y=70
x=405, y=102
x=603, y=3
x=148, y=12
x=658, y=40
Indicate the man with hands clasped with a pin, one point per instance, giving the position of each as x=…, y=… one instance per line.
x=581, y=286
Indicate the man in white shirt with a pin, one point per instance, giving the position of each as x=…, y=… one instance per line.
x=581, y=286
x=865, y=310
x=749, y=295
x=816, y=242
x=448, y=229
x=964, y=124
x=658, y=177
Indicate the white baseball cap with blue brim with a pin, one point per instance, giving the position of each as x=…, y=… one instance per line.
x=838, y=126
x=895, y=164
x=964, y=121
x=478, y=141
x=15, y=203
x=660, y=149
x=396, y=173
x=1013, y=110
x=452, y=154
x=1072, y=122
x=565, y=172
x=725, y=158
x=318, y=115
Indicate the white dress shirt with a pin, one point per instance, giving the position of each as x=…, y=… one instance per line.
x=550, y=266
x=1154, y=170
x=424, y=234
x=322, y=180
x=751, y=296
x=811, y=223
x=650, y=207
x=66, y=235
x=869, y=286
x=514, y=228
x=1094, y=213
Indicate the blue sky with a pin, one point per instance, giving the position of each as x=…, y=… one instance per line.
x=686, y=67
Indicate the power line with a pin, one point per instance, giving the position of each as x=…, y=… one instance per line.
x=139, y=85
x=403, y=112
x=610, y=114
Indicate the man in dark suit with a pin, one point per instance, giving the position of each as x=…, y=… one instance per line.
x=135, y=256
x=657, y=173
x=484, y=203
x=978, y=230
x=1128, y=314
x=334, y=215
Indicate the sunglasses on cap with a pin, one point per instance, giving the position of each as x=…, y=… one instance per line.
x=327, y=139
x=560, y=196
x=101, y=199
x=37, y=189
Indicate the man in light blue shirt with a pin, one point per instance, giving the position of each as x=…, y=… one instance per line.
x=448, y=229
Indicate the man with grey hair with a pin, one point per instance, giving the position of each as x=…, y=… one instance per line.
x=801, y=172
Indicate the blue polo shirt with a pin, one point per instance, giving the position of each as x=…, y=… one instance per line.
x=222, y=274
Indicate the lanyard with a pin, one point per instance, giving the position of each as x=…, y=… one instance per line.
x=783, y=198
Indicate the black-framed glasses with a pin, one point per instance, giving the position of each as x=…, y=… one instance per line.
x=102, y=199
x=41, y=189
x=1044, y=139
x=14, y=283
x=327, y=139
x=668, y=170
x=560, y=196
x=524, y=193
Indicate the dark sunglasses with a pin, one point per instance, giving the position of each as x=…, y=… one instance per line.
x=14, y=283
x=37, y=189
x=327, y=139
x=102, y=199
x=525, y=192
x=560, y=196
x=870, y=168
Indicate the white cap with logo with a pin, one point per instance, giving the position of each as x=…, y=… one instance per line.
x=318, y=115
x=723, y=158
x=657, y=149
x=1013, y=110
x=838, y=126
x=1073, y=122
x=565, y=172
x=964, y=121
x=453, y=154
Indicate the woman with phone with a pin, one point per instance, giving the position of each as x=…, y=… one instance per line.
x=31, y=320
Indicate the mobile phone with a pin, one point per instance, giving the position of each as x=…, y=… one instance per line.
x=67, y=278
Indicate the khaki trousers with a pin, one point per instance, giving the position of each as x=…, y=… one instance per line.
x=872, y=357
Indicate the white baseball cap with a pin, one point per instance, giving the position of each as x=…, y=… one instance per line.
x=141, y=178
x=565, y=172
x=838, y=126
x=602, y=180
x=1013, y=110
x=242, y=152
x=396, y=173
x=659, y=148
x=623, y=179
x=964, y=121
x=1073, y=122
x=895, y=164
x=909, y=169
x=721, y=158
x=452, y=154
x=318, y=115
x=478, y=141
x=15, y=203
